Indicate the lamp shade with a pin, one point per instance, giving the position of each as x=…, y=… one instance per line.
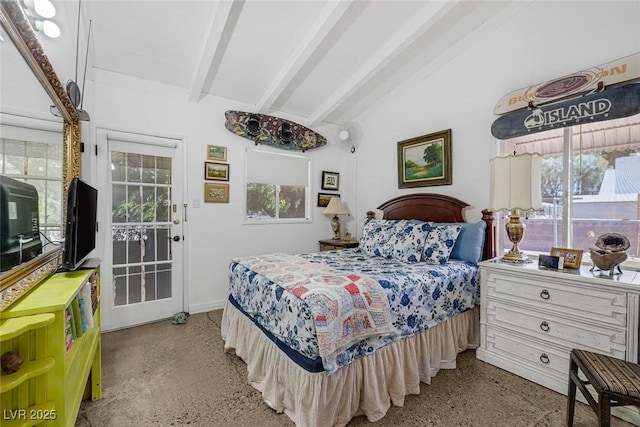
x=516, y=182
x=335, y=207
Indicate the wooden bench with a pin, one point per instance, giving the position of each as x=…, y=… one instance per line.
x=615, y=381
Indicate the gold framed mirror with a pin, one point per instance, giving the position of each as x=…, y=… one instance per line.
x=20, y=279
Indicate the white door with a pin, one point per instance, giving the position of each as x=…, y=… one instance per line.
x=142, y=230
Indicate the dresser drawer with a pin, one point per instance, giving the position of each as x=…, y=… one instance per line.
x=597, y=306
x=566, y=331
x=543, y=357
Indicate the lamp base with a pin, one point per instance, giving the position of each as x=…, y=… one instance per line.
x=335, y=226
x=515, y=231
x=515, y=258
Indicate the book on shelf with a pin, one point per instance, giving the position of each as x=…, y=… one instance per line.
x=86, y=310
x=93, y=280
x=69, y=337
x=77, y=318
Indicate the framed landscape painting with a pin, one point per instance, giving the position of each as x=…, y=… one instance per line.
x=425, y=160
x=325, y=198
x=217, y=152
x=216, y=171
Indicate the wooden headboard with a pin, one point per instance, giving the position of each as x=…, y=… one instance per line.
x=437, y=208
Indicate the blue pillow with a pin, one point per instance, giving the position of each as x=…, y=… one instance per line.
x=470, y=242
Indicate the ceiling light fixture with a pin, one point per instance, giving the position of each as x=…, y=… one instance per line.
x=49, y=28
x=39, y=13
x=44, y=8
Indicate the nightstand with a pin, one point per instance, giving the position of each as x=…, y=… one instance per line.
x=332, y=245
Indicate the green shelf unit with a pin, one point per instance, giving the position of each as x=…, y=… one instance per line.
x=27, y=371
x=51, y=382
x=14, y=327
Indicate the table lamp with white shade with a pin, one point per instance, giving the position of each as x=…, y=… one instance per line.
x=515, y=186
x=335, y=208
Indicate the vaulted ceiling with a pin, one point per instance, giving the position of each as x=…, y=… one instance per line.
x=314, y=61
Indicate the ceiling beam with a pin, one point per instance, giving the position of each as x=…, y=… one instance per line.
x=420, y=23
x=497, y=16
x=224, y=17
x=322, y=26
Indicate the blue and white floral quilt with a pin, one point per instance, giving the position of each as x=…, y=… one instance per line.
x=420, y=295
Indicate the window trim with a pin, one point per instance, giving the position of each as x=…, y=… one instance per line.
x=309, y=189
x=506, y=146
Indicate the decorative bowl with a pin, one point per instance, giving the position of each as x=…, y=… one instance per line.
x=613, y=242
x=610, y=252
x=607, y=260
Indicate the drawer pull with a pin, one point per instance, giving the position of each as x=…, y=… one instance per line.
x=545, y=294
x=544, y=326
x=544, y=358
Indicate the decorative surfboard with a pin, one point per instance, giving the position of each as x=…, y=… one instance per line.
x=273, y=131
x=613, y=103
x=611, y=73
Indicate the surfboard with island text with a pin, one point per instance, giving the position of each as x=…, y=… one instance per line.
x=611, y=73
x=613, y=103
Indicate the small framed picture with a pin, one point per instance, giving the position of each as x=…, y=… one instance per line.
x=217, y=152
x=216, y=193
x=324, y=198
x=330, y=180
x=572, y=257
x=216, y=171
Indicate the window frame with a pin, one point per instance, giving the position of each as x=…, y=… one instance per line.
x=507, y=146
x=308, y=190
x=31, y=130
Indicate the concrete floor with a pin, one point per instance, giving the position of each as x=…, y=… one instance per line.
x=162, y=374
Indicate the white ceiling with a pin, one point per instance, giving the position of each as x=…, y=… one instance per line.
x=315, y=61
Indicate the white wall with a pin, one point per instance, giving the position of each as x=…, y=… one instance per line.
x=544, y=41
x=215, y=231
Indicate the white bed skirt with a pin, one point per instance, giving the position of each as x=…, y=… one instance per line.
x=369, y=385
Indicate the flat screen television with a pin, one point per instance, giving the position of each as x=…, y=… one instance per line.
x=80, y=226
x=19, y=223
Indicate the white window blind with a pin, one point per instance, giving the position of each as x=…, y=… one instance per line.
x=277, y=168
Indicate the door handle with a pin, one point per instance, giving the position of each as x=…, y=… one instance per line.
x=176, y=238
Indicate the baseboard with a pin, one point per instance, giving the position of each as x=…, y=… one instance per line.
x=208, y=306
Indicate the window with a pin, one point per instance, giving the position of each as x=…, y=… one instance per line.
x=35, y=156
x=600, y=164
x=277, y=187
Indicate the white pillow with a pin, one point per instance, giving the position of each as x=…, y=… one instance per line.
x=376, y=234
x=394, y=239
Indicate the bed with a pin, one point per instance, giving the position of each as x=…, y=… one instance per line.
x=419, y=315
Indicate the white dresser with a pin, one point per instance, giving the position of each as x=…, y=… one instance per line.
x=531, y=318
